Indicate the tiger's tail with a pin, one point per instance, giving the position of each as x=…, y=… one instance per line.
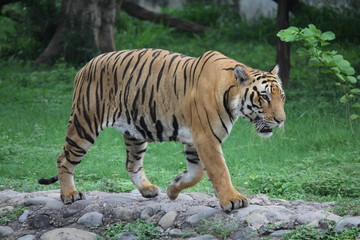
x=48, y=181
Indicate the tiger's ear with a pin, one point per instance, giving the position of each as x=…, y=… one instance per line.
x=240, y=74
x=275, y=70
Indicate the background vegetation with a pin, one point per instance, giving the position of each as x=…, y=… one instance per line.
x=313, y=158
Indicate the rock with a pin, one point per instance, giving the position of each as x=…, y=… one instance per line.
x=311, y=216
x=147, y=213
x=68, y=234
x=122, y=213
x=27, y=237
x=48, y=203
x=4, y=198
x=203, y=237
x=24, y=216
x=244, y=212
x=247, y=232
x=127, y=236
x=347, y=223
x=6, y=209
x=256, y=220
x=199, y=213
x=91, y=219
x=279, y=233
x=5, y=231
x=261, y=200
x=176, y=233
x=41, y=221
x=118, y=200
x=168, y=219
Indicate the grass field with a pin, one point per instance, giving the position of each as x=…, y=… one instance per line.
x=314, y=157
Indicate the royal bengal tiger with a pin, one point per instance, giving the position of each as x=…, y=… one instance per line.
x=153, y=95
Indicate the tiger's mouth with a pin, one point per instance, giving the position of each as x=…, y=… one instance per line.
x=263, y=129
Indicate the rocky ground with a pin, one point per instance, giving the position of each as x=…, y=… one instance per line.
x=196, y=216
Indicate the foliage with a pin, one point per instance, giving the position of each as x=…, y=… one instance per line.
x=28, y=33
x=309, y=232
x=10, y=215
x=331, y=62
x=216, y=227
x=345, y=207
x=141, y=229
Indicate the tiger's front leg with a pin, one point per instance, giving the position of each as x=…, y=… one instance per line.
x=135, y=151
x=211, y=156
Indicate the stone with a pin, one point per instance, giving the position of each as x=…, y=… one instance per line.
x=4, y=198
x=147, y=213
x=168, y=219
x=261, y=200
x=279, y=233
x=27, y=237
x=119, y=200
x=68, y=234
x=347, y=223
x=6, y=209
x=122, y=213
x=200, y=213
x=24, y=216
x=41, y=221
x=91, y=219
x=5, y=231
x=311, y=216
x=127, y=236
x=176, y=233
x=203, y=237
x=242, y=213
x=245, y=233
x=48, y=203
x=256, y=220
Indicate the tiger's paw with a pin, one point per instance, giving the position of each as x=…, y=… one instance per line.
x=173, y=192
x=71, y=197
x=149, y=191
x=240, y=201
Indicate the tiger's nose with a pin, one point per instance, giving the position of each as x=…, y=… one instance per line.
x=280, y=121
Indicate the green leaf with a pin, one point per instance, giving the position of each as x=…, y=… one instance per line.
x=289, y=34
x=356, y=106
x=351, y=79
x=314, y=61
x=343, y=65
x=343, y=99
x=354, y=91
x=327, y=36
x=354, y=116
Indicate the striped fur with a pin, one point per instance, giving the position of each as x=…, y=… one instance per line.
x=153, y=95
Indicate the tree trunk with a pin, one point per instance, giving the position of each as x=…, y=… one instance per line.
x=283, y=48
x=141, y=13
x=85, y=29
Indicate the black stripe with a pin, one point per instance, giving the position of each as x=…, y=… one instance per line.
x=134, y=110
x=144, y=126
x=226, y=103
x=67, y=157
x=127, y=67
x=171, y=61
x=205, y=63
x=220, y=59
x=140, y=72
x=222, y=122
x=212, y=130
x=159, y=76
x=176, y=129
x=74, y=144
x=193, y=161
x=159, y=130
x=81, y=131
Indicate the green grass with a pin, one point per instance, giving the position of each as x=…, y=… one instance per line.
x=314, y=157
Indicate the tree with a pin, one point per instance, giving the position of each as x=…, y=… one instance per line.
x=86, y=28
x=283, y=48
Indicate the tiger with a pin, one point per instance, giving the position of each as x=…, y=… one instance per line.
x=154, y=95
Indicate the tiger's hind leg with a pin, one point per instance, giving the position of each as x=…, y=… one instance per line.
x=135, y=151
x=78, y=141
x=188, y=178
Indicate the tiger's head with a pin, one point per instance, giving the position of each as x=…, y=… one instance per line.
x=262, y=99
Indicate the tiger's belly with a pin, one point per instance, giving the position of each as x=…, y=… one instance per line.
x=154, y=132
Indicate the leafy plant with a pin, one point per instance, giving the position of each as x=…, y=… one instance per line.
x=140, y=228
x=216, y=228
x=8, y=216
x=309, y=232
x=314, y=41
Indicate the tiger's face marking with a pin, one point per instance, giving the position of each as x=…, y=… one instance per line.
x=263, y=100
